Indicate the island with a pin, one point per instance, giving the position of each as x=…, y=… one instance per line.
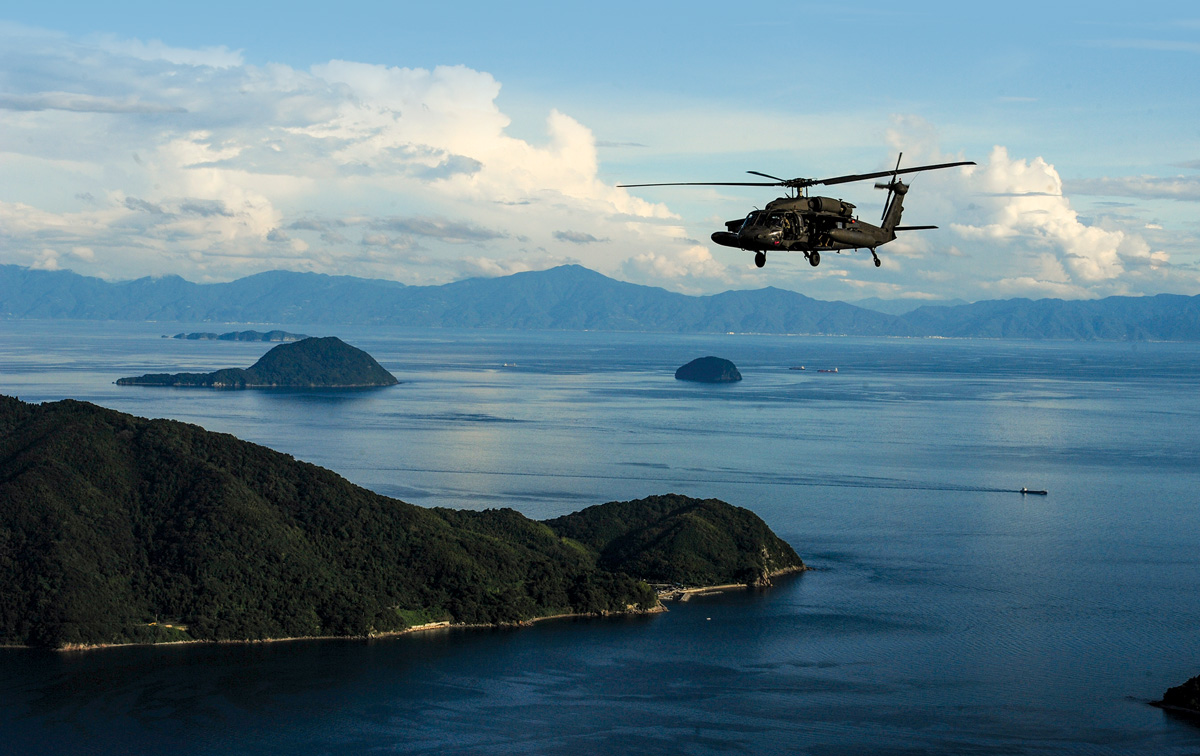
x=241, y=336
x=310, y=363
x=1185, y=697
x=119, y=529
x=709, y=370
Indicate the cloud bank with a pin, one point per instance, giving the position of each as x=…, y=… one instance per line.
x=124, y=158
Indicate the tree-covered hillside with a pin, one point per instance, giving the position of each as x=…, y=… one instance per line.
x=113, y=527
x=677, y=539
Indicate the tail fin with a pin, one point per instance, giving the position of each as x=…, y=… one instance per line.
x=893, y=206
x=891, y=215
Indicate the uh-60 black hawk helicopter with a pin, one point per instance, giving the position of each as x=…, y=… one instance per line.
x=813, y=225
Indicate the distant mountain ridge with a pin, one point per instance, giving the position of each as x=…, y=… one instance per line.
x=571, y=297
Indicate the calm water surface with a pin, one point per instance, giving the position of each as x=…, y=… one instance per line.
x=946, y=614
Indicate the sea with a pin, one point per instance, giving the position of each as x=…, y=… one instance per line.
x=946, y=612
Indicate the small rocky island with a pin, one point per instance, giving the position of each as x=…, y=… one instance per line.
x=709, y=370
x=119, y=529
x=241, y=336
x=1184, y=697
x=310, y=363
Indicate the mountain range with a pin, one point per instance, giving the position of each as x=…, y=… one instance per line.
x=571, y=297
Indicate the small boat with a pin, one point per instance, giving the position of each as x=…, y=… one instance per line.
x=1033, y=492
x=826, y=370
x=797, y=367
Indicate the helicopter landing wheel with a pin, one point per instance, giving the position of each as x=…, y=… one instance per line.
x=814, y=259
x=878, y=262
x=760, y=259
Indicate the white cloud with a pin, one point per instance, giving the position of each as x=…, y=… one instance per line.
x=1013, y=229
x=195, y=163
x=1022, y=202
x=155, y=50
x=46, y=259
x=158, y=159
x=692, y=270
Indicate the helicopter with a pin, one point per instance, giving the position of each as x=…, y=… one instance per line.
x=813, y=225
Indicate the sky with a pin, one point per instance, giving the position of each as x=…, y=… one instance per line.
x=428, y=143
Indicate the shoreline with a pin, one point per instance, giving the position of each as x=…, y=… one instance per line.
x=427, y=627
x=671, y=594
x=682, y=595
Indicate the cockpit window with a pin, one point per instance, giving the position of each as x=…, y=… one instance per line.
x=753, y=218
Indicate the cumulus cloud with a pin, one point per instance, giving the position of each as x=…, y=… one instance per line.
x=193, y=162
x=692, y=270
x=47, y=259
x=1023, y=201
x=1014, y=231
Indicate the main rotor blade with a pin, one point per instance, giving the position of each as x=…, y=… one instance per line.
x=705, y=183
x=800, y=183
x=767, y=175
x=864, y=176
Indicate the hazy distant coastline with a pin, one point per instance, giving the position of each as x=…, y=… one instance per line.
x=275, y=335
x=571, y=297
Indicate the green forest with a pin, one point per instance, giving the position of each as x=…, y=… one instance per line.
x=118, y=529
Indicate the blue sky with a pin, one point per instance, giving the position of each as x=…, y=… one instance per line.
x=430, y=143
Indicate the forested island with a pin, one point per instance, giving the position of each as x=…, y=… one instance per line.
x=709, y=370
x=119, y=529
x=310, y=363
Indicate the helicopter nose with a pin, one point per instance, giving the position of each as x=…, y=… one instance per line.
x=725, y=239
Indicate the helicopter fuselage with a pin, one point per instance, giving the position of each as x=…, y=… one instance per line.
x=808, y=224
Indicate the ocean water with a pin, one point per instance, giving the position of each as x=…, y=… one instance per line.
x=946, y=613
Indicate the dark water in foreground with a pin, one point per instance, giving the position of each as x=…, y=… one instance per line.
x=947, y=614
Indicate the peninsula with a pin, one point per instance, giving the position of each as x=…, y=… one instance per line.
x=119, y=529
x=310, y=363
